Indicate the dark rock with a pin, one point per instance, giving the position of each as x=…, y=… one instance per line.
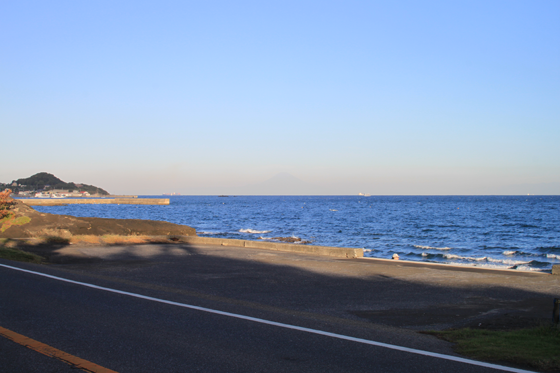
x=286, y=239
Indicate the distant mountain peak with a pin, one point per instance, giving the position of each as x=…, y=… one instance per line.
x=284, y=176
x=283, y=183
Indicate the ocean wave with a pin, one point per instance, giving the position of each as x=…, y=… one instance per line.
x=521, y=225
x=253, y=231
x=509, y=262
x=510, y=252
x=548, y=248
x=552, y=256
x=432, y=248
x=485, y=262
x=527, y=268
x=453, y=256
x=497, y=266
x=488, y=262
x=519, y=253
x=538, y=263
x=487, y=259
x=210, y=233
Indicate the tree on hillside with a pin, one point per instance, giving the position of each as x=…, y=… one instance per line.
x=46, y=181
x=6, y=203
x=42, y=179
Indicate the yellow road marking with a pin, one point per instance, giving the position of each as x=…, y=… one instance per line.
x=53, y=352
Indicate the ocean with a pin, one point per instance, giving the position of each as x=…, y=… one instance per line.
x=518, y=232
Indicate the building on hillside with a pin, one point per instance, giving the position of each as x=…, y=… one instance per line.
x=59, y=191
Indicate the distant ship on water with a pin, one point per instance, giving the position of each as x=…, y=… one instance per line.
x=364, y=194
x=171, y=194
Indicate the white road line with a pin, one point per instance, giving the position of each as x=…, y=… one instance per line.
x=282, y=325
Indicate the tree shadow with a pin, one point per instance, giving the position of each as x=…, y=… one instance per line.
x=397, y=294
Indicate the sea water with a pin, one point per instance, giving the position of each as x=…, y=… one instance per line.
x=519, y=232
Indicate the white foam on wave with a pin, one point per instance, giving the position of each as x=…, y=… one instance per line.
x=210, y=233
x=497, y=266
x=509, y=262
x=453, y=256
x=509, y=252
x=424, y=254
x=432, y=248
x=487, y=259
x=488, y=262
x=253, y=231
x=552, y=256
x=527, y=268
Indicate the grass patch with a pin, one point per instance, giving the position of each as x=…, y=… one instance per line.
x=10, y=220
x=85, y=239
x=19, y=255
x=537, y=348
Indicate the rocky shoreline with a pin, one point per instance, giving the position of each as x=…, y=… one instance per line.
x=26, y=222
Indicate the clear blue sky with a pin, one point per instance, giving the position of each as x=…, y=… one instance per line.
x=380, y=97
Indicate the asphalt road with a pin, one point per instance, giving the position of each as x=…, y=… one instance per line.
x=128, y=334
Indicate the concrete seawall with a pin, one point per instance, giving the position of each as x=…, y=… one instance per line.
x=340, y=252
x=95, y=201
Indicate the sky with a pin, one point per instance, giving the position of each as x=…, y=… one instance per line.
x=283, y=97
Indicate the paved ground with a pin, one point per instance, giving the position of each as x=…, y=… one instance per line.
x=382, y=301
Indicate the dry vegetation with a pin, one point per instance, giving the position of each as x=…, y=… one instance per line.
x=6, y=202
x=114, y=240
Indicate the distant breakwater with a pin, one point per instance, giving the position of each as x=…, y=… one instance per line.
x=95, y=201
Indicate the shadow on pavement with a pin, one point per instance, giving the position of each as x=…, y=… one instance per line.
x=390, y=293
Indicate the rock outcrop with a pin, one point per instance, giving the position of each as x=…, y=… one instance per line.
x=25, y=222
